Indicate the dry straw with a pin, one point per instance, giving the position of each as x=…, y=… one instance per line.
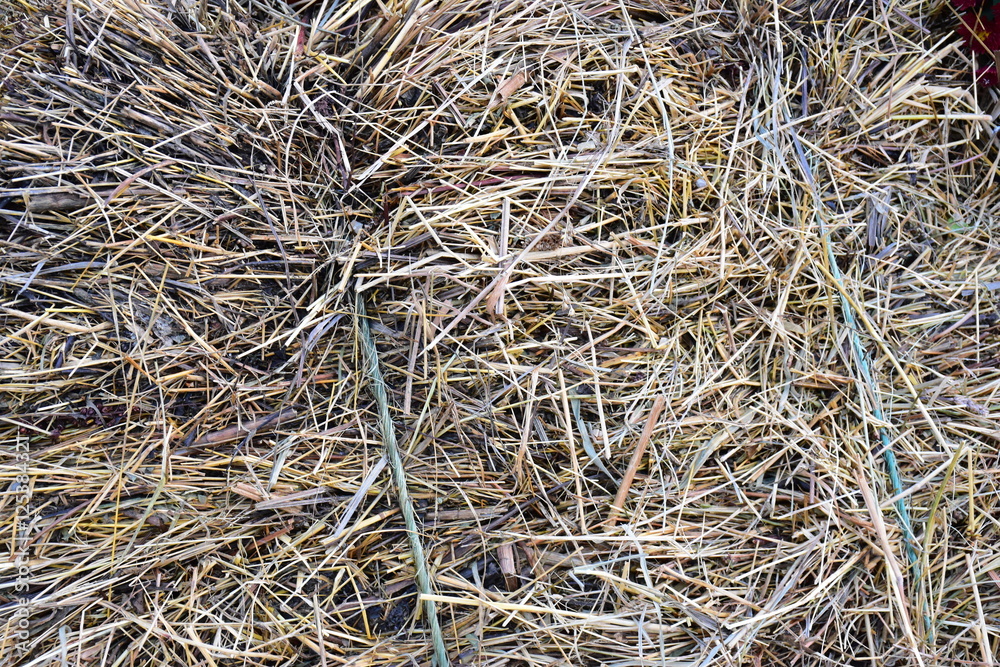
x=680, y=308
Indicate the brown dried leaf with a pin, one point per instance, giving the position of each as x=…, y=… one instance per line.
x=508, y=88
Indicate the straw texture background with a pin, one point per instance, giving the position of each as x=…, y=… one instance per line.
x=652, y=283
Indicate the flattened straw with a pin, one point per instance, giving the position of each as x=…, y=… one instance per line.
x=633, y=465
x=399, y=477
x=359, y=495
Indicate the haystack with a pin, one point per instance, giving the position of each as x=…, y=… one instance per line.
x=685, y=316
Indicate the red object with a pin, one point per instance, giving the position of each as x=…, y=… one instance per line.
x=987, y=76
x=980, y=27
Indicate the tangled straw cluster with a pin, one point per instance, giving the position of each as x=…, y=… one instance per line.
x=654, y=287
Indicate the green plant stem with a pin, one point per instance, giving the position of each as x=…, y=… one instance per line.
x=892, y=467
x=374, y=372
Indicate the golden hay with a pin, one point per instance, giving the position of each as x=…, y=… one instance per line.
x=653, y=283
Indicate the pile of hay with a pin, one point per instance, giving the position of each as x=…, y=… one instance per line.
x=688, y=315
